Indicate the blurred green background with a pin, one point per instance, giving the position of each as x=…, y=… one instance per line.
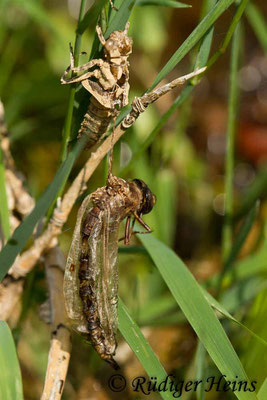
x=184, y=167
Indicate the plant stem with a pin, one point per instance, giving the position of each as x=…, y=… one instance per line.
x=68, y=120
x=230, y=142
x=4, y=213
x=258, y=24
x=239, y=12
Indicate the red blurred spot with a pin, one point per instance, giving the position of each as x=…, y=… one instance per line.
x=252, y=142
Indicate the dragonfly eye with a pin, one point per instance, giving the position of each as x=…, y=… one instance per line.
x=149, y=199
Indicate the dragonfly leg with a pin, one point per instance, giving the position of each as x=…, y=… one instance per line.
x=141, y=222
x=100, y=35
x=127, y=231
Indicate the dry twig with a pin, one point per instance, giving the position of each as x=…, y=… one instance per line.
x=23, y=202
x=60, y=347
x=10, y=292
x=19, y=201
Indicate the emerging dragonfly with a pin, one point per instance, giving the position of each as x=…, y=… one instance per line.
x=91, y=276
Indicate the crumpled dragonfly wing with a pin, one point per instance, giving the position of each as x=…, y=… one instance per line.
x=107, y=293
x=71, y=285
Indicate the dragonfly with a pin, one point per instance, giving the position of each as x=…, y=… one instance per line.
x=91, y=274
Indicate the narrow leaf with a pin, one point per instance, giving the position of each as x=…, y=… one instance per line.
x=10, y=377
x=90, y=18
x=120, y=18
x=239, y=241
x=197, y=310
x=230, y=145
x=200, y=370
x=217, y=306
x=262, y=393
x=68, y=120
x=258, y=23
x=141, y=348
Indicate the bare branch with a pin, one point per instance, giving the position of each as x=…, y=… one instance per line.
x=140, y=104
x=5, y=142
x=60, y=347
x=10, y=292
x=24, y=203
x=18, y=200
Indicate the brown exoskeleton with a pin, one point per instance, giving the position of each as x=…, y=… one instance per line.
x=110, y=84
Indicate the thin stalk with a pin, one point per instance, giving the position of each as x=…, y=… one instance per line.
x=200, y=369
x=239, y=12
x=68, y=120
x=230, y=143
x=4, y=212
x=238, y=244
x=258, y=24
x=257, y=190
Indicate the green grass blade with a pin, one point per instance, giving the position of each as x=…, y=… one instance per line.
x=204, y=49
x=10, y=377
x=262, y=393
x=141, y=347
x=230, y=144
x=156, y=308
x=235, y=20
x=68, y=120
x=258, y=189
x=193, y=38
x=197, y=310
x=21, y=235
x=120, y=17
x=217, y=306
x=241, y=293
x=253, y=264
x=200, y=370
x=4, y=212
x=90, y=18
x=256, y=263
x=239, y=241
x=258, y=23
x=163, y=3
x=242, y=235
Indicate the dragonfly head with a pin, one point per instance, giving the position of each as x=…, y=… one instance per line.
x=148, y=200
